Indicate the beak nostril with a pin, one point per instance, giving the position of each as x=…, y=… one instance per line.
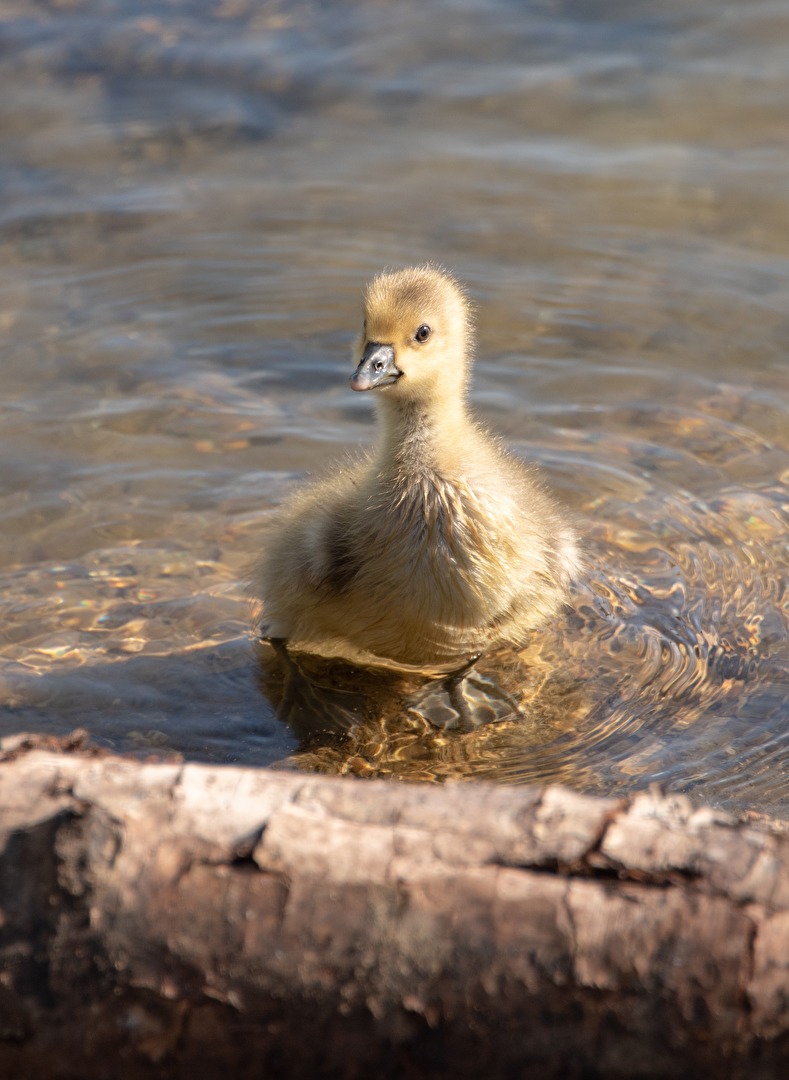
x=377, y=367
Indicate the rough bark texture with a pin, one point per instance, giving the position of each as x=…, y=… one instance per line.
x=175, y=920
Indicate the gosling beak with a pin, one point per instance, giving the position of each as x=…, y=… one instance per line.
x=377, y=367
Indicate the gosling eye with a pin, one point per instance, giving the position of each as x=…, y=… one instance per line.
x=423, y=333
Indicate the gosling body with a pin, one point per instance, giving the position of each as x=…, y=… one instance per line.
x=439, y=544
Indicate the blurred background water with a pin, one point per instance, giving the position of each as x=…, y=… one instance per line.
x=193, y=195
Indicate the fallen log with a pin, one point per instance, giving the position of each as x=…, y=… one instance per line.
x=178, y=920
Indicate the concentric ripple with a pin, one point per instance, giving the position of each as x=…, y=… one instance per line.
x=672, y=667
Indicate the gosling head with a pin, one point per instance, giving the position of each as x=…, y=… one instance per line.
x=415, y=341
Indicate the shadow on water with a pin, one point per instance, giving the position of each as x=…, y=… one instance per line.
x=202, y=703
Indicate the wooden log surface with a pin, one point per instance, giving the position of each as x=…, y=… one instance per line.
x=183, y=920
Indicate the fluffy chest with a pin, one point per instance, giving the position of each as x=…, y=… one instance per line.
x=430, y=523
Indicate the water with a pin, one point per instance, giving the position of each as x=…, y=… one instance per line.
x=193, y=195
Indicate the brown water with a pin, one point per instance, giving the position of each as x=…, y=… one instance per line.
x=193, y=195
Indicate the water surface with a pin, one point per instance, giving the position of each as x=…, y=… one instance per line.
x=193, y=195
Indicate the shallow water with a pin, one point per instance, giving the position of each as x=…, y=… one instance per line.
x=193, y=195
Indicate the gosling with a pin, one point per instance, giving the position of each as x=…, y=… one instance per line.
x=438, y=545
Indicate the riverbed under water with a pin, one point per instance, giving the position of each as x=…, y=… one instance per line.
x=193, y=196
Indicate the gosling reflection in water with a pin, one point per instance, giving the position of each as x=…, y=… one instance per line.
x=374, y=722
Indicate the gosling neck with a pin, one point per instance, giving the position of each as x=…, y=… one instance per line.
x=418, y=433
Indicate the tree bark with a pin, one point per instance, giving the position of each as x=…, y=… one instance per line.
x=169, y=920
